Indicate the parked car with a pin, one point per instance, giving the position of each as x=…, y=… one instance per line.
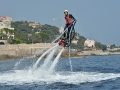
x=2, y=43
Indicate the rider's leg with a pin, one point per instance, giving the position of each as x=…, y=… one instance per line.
x=64, y=35
x=68, y=32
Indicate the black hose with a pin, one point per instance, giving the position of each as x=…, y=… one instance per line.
x=71, y=34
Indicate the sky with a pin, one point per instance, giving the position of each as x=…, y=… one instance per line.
x=97, y=20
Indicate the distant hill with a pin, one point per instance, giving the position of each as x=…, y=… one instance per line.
x=28, y=34
x=24, y=33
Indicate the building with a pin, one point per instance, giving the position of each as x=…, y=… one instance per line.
x=5, y=19
x=61, y=30
x=74, y=41
x=34, y=24
x=5, y=25
x=89, y=43
x=111, y=45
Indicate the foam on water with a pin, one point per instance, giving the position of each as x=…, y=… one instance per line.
x=17, y=64
x=44, y=77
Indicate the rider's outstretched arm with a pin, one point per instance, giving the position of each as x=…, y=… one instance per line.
x=71, y=16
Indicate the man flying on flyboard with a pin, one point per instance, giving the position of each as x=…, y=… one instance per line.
x=69, y=30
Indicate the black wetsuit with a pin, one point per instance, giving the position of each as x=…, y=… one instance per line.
x=70, y=25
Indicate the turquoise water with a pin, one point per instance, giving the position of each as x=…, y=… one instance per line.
x=90, y=73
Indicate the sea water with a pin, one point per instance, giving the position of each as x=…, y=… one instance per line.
x=90, y=73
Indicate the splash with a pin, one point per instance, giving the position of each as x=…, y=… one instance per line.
x=47, y=60
x=55, y=62
x=17, y=64
x=37, y=62
x=71, y=68
x=20, y=77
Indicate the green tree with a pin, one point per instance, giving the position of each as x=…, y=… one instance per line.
x=40, y=37
x=80, y=44
x=23, y=30
x=8, y=34
x=8, y=31
x=100, y=46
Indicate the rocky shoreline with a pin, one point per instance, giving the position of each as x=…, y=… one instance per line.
x=9, y=57
x=64, y=55
x=28, y=52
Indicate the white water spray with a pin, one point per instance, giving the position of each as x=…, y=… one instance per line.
x=47, y=60
x=21, y=77
x=70, y=59
x=17, y=64
x=37, y=62
x=51, y=69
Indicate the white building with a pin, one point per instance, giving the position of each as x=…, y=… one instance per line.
x=89, y=43
x=34, y=24
x=5, y=25
x=5, y=19
x=61, y=30
x=74, y=41
x=110, y=45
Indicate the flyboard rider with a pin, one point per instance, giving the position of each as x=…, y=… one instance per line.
x=69, y=26
x=69, y=20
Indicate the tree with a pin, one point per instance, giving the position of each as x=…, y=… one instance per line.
x=80, y=44
x=43, y=36
x=40, y=37
x=8, y=32
x=23, y=30
x=112, y=46
x=100, y=46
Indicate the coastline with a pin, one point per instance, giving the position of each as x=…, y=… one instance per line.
x=28, y=51
x=9, y=57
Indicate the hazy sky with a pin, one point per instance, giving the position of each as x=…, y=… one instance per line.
x=96, y=19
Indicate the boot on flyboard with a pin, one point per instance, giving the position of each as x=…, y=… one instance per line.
x=62, y=42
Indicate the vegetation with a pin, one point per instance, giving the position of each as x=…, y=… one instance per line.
x=51, y=31
x=28, y=34
x=100, y=46
x=113, y=46
x=40, y=37
x=80, y=43
x=6, y=33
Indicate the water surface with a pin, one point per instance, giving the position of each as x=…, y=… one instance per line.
x=90, y=73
